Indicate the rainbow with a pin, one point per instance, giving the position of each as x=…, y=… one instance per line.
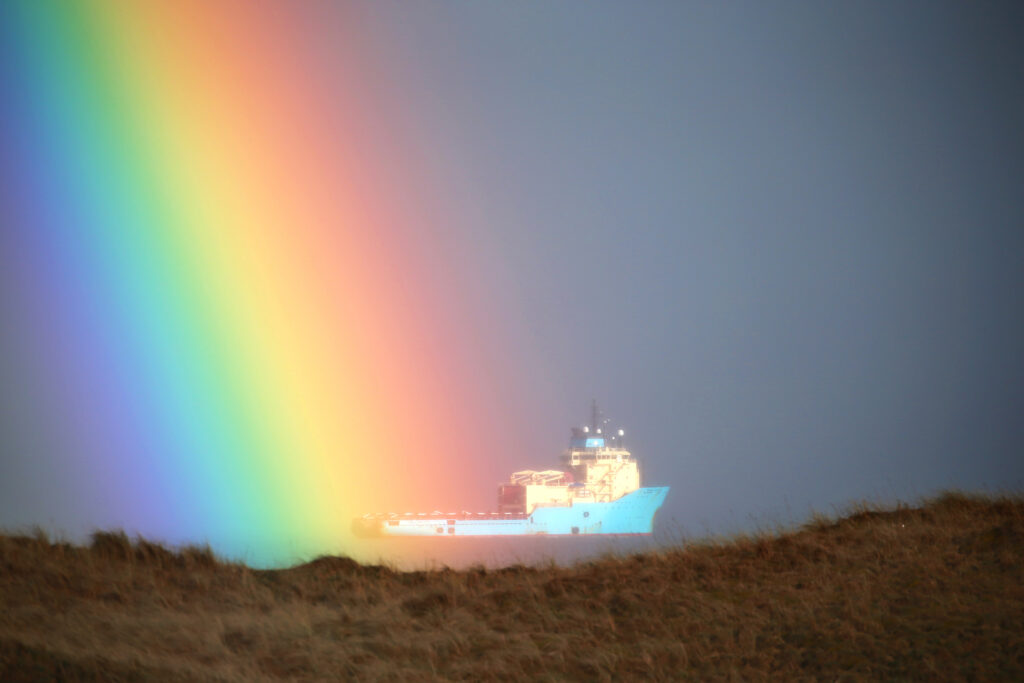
x=235, y=313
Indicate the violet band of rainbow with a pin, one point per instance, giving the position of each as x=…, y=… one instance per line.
x=226, y=325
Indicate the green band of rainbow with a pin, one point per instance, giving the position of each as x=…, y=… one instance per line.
x=230, y=328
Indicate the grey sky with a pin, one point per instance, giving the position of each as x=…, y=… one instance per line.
x=781, y=242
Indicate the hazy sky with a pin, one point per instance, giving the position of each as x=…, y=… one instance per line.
x=780, y=242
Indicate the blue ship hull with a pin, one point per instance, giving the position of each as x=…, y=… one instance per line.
x=631, y=514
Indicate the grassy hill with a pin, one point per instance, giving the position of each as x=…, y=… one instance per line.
x=934, y=592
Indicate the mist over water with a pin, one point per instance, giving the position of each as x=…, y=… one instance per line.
x=459, y=553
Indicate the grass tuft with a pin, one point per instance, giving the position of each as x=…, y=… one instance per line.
x=112, y=545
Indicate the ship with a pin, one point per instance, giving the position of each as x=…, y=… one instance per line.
x=595, y=491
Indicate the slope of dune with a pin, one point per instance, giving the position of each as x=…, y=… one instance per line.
x=935, y=591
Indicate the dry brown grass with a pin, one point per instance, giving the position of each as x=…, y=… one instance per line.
x=935, y=592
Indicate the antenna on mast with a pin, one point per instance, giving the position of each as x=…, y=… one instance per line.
x=594, y=413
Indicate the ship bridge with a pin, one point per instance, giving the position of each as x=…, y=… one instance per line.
x=577, y=456
x=595, y=469
x=601, y=464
